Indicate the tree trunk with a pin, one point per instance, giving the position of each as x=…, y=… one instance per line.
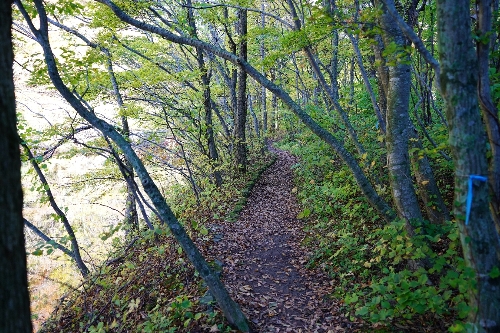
x=382, y=75
x=436, y=210
x=75, y=248
x=488, y=108
x=480, y=238
x=274, y=105
x=366, y=81
x=254, y=117
x=398, y=126
x=263, y=91
x=207, y=104
x=131, y=217
x=241, y=107
x=14, y=297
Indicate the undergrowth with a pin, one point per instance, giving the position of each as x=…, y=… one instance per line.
x=148, y=285
x=368, y=259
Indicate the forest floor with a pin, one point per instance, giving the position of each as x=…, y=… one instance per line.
x=264, y=263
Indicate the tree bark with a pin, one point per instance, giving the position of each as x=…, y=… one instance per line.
x=14, y=296
x=488, y=108
x=398, y=126
x=478, y=234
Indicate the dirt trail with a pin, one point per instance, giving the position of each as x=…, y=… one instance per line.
x=264, y=264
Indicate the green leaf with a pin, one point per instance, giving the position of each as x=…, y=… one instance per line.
x=351, y=299
x=362, y=311
x=303, y=214
x=494, y=273
x=456, y=328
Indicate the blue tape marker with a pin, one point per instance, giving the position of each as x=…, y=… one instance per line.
x=469, y=195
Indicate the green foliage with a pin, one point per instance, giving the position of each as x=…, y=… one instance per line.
x=178, y=312
x=437, y=288
x=369, y=260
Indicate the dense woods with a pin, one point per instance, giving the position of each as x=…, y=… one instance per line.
x=391, y=108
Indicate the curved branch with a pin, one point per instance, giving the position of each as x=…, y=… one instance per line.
x=46, y=238
x=411, y=35
x=74, y=243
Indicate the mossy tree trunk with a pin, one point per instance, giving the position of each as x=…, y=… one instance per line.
x=480, y=238
x=398, y=123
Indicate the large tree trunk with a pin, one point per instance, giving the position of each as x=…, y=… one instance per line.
x=398, y=126
x=480, y=238
x=14, y=296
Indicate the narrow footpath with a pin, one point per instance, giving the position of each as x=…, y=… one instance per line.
x=264, y=263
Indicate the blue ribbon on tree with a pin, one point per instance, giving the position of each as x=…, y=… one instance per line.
x=469, y=195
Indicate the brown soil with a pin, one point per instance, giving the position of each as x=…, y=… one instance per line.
x=264, y=263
